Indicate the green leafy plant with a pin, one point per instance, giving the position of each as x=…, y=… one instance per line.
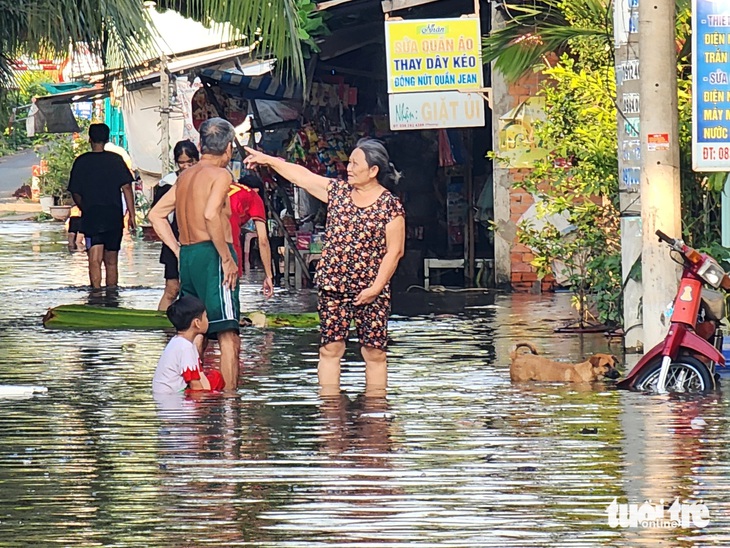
x=59, y=155
x=26, y=85
x=41, y=217
x=536, y=30
x=142, y=206
x=312, y=25
x=531, y=34
x=701, y=193
x=577, y=184
x=119, y=33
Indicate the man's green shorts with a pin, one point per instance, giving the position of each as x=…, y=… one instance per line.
x=201, y=275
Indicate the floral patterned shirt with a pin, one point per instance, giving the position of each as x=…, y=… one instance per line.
x=354, y=239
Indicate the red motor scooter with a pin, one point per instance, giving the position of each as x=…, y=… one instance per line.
x=686, y=359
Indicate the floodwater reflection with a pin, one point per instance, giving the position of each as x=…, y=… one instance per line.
x=454, y=455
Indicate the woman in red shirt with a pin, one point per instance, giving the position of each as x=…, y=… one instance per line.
x=364, y=240
x=246, y=204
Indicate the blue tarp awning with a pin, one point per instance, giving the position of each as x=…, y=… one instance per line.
x=65, y=87
x=265, y=87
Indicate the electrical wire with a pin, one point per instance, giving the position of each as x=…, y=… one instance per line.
x=671, y=256
x=626, y=212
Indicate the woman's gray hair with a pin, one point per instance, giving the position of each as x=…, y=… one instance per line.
x=376, y=155
x=215, y=136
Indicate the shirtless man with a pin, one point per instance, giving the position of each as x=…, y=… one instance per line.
x=208, y=268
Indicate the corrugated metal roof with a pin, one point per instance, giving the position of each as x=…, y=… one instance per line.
x=74, y=96
x=253, y=87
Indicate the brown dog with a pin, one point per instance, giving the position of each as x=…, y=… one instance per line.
x=532, y=367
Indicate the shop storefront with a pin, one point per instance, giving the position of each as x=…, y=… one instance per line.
x=446, y=186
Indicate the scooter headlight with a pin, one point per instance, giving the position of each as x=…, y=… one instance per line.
x=712, y=273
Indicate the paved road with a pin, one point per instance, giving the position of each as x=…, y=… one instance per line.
x=15, y=170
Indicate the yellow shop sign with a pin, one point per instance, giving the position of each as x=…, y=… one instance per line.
x=433, y=55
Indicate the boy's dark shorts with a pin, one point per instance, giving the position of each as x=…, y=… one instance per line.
x=337, y=311
x=168, y=258
x=172, y=272
x=111, y=240
x=74, y=225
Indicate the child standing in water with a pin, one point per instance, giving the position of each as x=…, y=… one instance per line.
x=75, y=233
x=179, y=366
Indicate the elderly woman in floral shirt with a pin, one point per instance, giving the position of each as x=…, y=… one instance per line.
x=364, y=240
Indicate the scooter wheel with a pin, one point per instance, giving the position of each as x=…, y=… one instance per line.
x=686, y=374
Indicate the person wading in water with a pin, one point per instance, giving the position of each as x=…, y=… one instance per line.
x=208, y=267
x=364, y=240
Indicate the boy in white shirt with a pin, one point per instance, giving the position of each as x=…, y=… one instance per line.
x=179, y=366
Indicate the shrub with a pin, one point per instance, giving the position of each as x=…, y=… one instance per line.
x=60, y=152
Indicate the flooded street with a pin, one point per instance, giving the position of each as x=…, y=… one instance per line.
x=456, y=455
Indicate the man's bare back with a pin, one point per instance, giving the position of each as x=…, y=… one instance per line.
x=208, y=268
x=193, y=189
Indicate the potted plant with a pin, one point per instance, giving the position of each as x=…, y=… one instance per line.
x=142, y=206
x=57, y=159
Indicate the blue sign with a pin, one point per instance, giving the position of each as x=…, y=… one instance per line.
x=631, y=176
x=710, y=85
x=83, y=111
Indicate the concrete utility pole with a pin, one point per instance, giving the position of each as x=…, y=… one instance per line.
x=164, y=116
x=660, y=186
x=626, y=41
x=505, y=233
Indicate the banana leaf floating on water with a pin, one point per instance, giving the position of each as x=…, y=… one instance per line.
x=301, y=320
x=90, y=318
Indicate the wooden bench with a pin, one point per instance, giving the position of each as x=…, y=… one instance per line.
x=445, y=264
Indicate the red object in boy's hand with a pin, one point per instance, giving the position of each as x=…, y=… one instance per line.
x=216, y=380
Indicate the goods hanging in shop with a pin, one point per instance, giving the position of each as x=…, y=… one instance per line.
x=321, y=152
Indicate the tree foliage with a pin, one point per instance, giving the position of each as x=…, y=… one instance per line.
x=577, y=181
x=279, y=26
x=553, y=27
x=118, y=31
x=48, y=28
x=59, y=154
x=27, y=85
x=579, y=178
x=533, y=32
